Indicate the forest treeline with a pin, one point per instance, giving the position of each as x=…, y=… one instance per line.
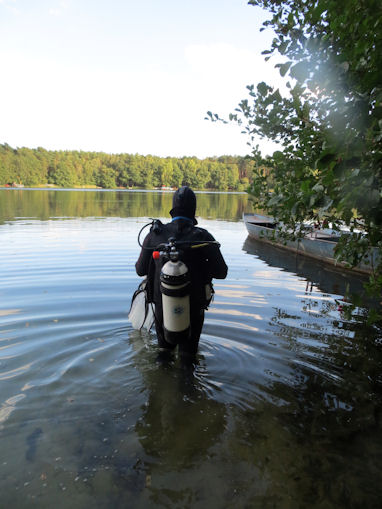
x=37, y=167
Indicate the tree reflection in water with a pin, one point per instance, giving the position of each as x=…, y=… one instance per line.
x=330, y=402
x=50, y=204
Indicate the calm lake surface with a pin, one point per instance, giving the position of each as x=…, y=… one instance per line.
x=283, y=409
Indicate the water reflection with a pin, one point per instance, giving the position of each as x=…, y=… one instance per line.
x=330, y=402
x=66, y=204
x=176, y=398
x=283, y=408
x=328, y=279
x=180, y=421
x=8, y=407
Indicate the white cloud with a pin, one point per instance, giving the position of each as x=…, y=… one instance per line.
x=233, y=64
x=147, y=111
x=221, y=72
x=59, y=9
x=10, y=5
x=219, y=58
x=121, y=82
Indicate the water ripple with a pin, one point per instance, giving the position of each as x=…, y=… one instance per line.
x=282, y=382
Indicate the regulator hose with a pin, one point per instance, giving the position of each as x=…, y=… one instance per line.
x=140, y=232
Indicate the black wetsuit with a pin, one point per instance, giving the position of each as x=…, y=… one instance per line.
x=203, y=263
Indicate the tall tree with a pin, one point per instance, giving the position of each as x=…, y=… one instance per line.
x=329, y=126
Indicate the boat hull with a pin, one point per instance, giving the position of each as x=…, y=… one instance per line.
x=264, y=229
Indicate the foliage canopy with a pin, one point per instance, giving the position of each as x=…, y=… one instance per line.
x=328, y=121
x=36, y=167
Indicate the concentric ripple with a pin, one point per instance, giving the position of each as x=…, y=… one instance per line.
x=90, y=411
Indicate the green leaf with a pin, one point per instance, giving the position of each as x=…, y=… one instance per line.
x=284, y=68
x=317, y=12
x=324, y=161
x=299, y=71
x=262, y=88
x=283, y=47
x=276, y=96
x=374, y=316
x=305, y=186
x=326, y=205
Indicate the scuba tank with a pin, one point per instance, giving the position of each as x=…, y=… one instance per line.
x=175, y=284
x=175, y=290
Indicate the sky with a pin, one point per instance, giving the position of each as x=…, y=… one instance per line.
x=123, y=76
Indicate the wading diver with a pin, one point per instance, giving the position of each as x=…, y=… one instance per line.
x=180, y=260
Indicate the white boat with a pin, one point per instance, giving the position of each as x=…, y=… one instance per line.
x=319, y=243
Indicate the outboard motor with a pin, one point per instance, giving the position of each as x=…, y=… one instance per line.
x=175, y=289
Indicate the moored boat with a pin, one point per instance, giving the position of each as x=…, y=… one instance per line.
x=317, y=243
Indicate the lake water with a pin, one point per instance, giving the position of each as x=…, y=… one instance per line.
x=282, y=410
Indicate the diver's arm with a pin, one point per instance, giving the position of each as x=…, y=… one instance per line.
x=218, y=266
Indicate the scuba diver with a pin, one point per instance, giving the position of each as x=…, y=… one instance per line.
x=180, y=260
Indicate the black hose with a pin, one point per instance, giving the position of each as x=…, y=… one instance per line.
x=139, y=234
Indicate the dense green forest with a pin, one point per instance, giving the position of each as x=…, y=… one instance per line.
x=37, y=167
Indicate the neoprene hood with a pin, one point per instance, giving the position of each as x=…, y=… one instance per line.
x=184, y=203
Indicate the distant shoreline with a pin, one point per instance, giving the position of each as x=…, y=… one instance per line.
x=116, y=189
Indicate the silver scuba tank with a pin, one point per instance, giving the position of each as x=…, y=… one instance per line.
x=175, y=288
